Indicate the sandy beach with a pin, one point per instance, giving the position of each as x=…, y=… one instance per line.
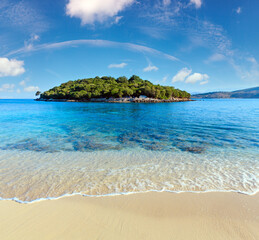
x=136, y=216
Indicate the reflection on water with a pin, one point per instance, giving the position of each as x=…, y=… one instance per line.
x=49, y=149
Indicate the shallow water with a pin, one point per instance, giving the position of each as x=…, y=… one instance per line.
x=49, y=149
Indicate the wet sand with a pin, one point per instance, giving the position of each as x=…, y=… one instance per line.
x=137, y=216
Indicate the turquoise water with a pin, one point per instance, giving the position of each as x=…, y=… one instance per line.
x=49, y=149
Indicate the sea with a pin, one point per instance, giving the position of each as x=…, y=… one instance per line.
x=54, y=149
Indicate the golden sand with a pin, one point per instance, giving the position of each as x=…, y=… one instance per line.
x=137, y=216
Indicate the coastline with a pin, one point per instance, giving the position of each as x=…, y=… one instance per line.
x=120, y=100
x=152, y=215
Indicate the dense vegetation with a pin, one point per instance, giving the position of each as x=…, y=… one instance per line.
x=107, y=87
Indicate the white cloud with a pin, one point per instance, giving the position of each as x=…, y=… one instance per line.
x=166, y=2
x=22, y=15
x=91, y=11
x=184, y=75
x=31, y=89
x=197, y=3
x=35, y=37
x=165, y=78
x=29, y=43
x=150, y=68
x=154, y=31
x=117, y=19
x=162, y=11
x=95, y=43
x=252, y=60
x=120, y=65
x=217, y=57
x=11, y=67
x=207, y=34
x=250, y=71
x=22, y=83
x=247, y=70
x=238, y=10
x=181, y=75
x=7, y=87
x=199, y=31
x=204, y=82
x=196, y=77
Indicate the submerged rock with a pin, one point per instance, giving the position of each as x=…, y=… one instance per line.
x=128, y=139
x=193, y=149
x=88, y=145
x=29, y=144
x=142, y=140
x=154, y=147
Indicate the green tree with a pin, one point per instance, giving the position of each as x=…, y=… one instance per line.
x=106, y=87
x=122, y=80
x=37, y=93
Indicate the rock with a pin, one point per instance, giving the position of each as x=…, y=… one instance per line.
x=120, y=100
x=197, y=150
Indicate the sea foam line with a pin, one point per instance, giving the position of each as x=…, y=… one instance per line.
x=15, y=199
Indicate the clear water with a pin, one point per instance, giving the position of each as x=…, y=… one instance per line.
x=49, y=149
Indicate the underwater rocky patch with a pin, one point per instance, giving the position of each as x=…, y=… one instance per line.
x=29, y=144
x=192, y=149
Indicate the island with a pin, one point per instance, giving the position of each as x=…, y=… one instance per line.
x=109, y=89
x=244, y=93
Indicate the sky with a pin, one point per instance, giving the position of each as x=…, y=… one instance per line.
x=194, y=45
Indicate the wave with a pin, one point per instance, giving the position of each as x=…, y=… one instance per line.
x=15, y=199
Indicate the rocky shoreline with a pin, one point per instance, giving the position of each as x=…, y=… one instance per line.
x=119, y=100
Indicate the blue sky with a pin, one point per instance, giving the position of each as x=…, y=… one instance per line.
x=195, y=45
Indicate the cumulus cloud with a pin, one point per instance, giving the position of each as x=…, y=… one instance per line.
x=7, y=87
x=91, y=11
x=11, y=67
x=31, y=89
x=181, y=75
x=150, y=68
x=120, y=65
x=184, y=75
x=23, y=83
x=196, y=77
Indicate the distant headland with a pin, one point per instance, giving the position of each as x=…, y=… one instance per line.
x=245, y=93
x=109, y=89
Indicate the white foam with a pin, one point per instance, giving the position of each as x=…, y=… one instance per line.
x=124, y=193
x=27, y=177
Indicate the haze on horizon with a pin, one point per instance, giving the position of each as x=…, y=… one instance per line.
x=194, y=45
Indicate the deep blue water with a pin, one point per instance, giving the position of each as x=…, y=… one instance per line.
x=213, y=130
